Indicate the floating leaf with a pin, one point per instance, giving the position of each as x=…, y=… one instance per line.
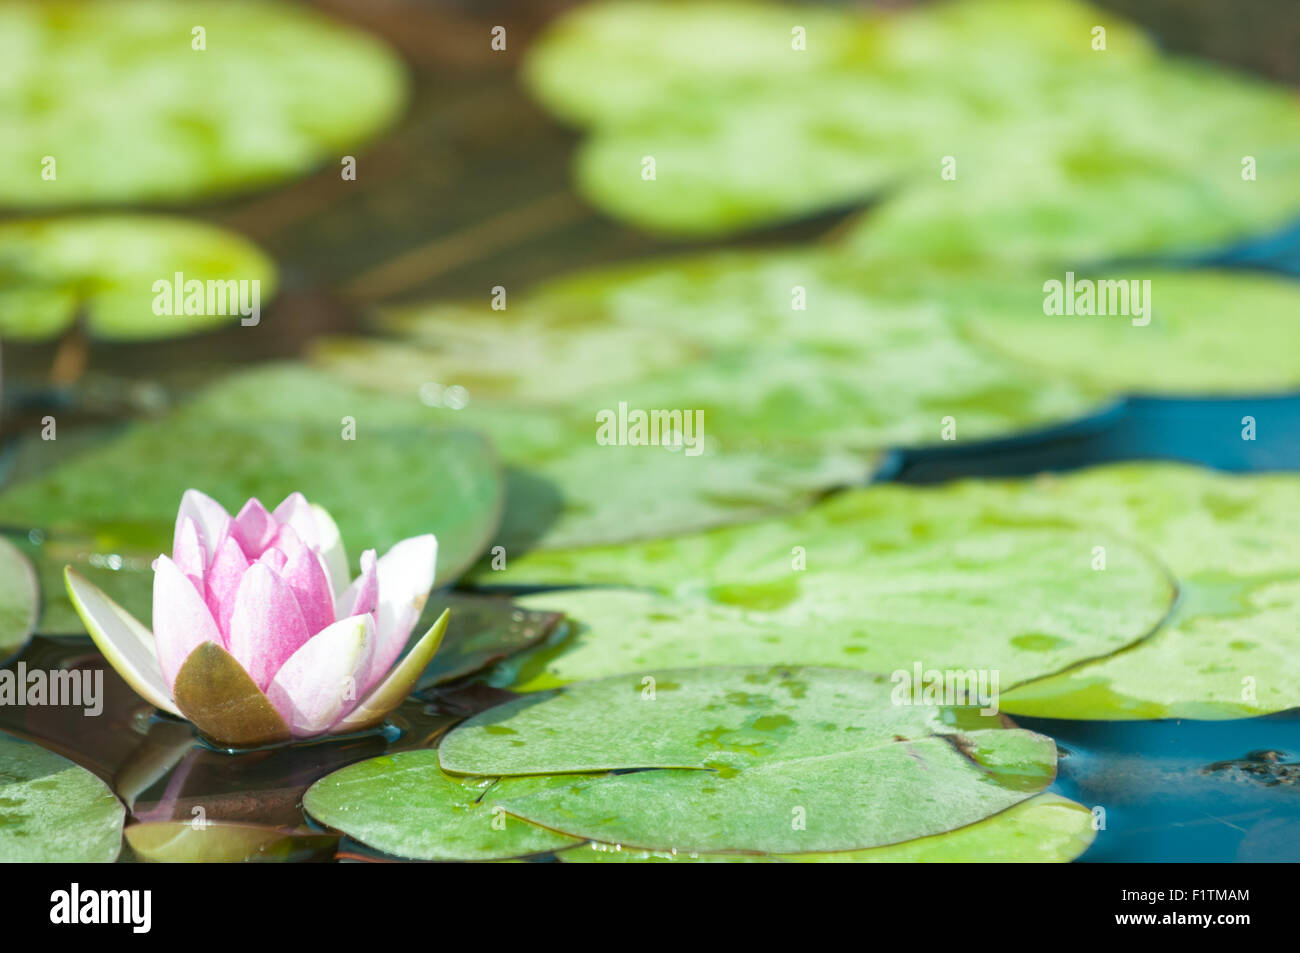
x=389, y=483
x=1108, y=167
x=795, y=371
x=1227, y=649
x=19, y=600
x=213, y=842
x=481, y=631
x=751, y=759
x=1046, y=828
x=134, y=105
x=1060, y=151
x=52, y=811
x=1202, y=332
x=54, y=270
x=875, y=579
x=406, y=806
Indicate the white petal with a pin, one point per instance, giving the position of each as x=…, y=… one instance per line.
x=318, y=684
x=405, y=575
x=128, y=645
x=209, y=515
x=331, y=548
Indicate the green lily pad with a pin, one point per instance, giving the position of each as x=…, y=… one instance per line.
x=801, y=367
x=19, y=600
x=751, y=759
x=406, y=806
x=1229, y=649
x=103, y=269
x=1145, y=163
x=1023, y=604
x=52, y=811
x=1062, y=152
x=605, y=62
x=1226, y=650
x=481, y=632
x=389, y=483
x=874, y=579
x=1202, y=333
x=214, y=842
x=132, y=111
x=1047, y=828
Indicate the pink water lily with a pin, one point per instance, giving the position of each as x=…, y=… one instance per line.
x=259, y=634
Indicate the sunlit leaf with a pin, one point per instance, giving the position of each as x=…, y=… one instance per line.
x=103, y=268
x=141, y=100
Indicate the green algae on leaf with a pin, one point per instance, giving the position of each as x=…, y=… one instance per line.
x=215, y=842
x=1046, y=828
x=132, y=104
x=19, y=600
x=102, y=269
x=406, y=806
x=52, y=811
x=751, y=759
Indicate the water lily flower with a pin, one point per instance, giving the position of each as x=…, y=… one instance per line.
x=259, y=635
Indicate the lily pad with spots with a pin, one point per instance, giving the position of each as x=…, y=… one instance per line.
x=52, y=811
x=1225, y=650
x=751, y=759
x=150, y=101
x=1046, y=828
x=102, y=270
x=874, y=579
x=404, y=805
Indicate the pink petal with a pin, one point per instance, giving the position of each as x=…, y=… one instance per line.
x=189, y=552
x=318, y=684
x=181, y=620
x=306, y=576
x=254, y=528
x=227, y=569
x=295, y=511
x=208, y=515
x=273, y=559
x=331, y=548
x=266, y=627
